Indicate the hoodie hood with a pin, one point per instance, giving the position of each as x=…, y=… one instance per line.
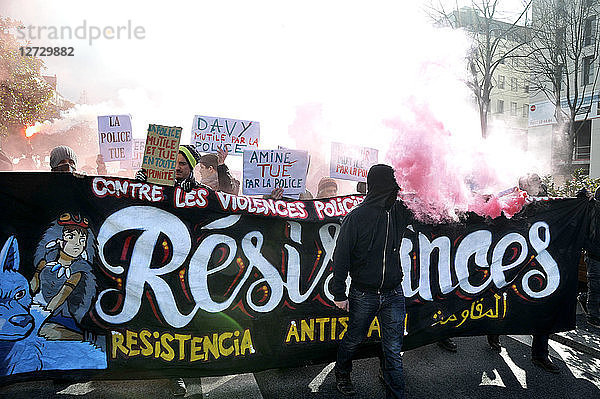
x=382, y=188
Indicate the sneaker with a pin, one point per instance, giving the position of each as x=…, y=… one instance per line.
x=594, y=321
x=344, y=384
x=494, y=341
x=545, y=364
x=448, y=344
x=582, y=299
x=179, y=388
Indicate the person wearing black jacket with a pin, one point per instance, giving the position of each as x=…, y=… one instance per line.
x=592, y=261
x=368, y=248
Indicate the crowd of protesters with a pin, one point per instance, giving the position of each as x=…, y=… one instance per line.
x=364, y=300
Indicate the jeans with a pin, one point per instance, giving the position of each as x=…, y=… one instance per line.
x=593, y=294
x=389, y=308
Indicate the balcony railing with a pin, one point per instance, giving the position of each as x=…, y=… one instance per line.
x=582, y=153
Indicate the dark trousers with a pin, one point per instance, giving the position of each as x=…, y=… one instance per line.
x=593, y=281
x=539, y=346
x=389, y=308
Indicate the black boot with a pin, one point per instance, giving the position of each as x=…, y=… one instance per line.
x=344, y=384
x=494, y=341
x=448, y=344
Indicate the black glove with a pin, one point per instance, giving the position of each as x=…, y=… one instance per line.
x=141, y=175
x=188, y=184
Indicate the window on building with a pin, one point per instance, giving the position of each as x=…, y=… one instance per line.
x=500, y=82
x=525, y=110
x=588, y=71
x=513, y=108
x=525, y=86
x=500, y=107
x=589, y=31
x=581, y=152
x=513, y=84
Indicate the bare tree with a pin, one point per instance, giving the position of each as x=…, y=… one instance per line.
x=562, y=54
x=494, y=42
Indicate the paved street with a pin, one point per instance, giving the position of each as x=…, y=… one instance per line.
x=474, y=372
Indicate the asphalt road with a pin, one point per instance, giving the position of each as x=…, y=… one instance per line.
x=473, y=372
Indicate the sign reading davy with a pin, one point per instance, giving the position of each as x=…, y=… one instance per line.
x=210, y=133
x=160, y=154
x=351, y=162
x=114, y=137
x=265, y=170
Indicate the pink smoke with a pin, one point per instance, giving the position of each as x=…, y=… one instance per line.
x=445, y=174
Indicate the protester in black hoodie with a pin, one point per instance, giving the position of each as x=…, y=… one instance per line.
x=368, y=248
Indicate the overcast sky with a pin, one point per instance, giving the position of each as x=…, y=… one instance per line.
x=256, y=60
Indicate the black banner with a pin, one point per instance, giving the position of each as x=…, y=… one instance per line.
x=126, y=279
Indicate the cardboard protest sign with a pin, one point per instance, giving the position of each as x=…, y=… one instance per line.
x=210, y=133
x=137, y=154
x=114, y=137
x=351, y=162
x=160, y=154
x=265, y=170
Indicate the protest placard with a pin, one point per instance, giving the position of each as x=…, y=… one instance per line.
x=137, y=154
x=114, y=137
x=210, y=133
x=160, y=154
x=351, y=162
x=265, y=170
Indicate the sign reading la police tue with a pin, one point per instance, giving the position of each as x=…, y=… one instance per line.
x=114, y=137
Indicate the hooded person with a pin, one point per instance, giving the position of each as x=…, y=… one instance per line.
x=368, y=248
x=63, y=159
x=187, y=158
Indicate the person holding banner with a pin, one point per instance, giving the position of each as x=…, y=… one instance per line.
x=592, y=261
x=532, y=184
x=368, y=248
x=327, y=188
x=184, y=170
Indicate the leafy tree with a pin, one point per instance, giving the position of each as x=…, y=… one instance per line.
x=25, y=97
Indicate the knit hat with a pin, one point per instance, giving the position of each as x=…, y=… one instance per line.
x=190, y=154
x=61, y=153
x=326, y=182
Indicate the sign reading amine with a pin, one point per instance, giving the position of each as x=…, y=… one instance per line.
x=266, y=170
x=114, y=137
x=210, y=133
x=351, y=162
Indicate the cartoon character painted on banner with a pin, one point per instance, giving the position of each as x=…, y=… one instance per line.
x=64, y=276
x=22, y=349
